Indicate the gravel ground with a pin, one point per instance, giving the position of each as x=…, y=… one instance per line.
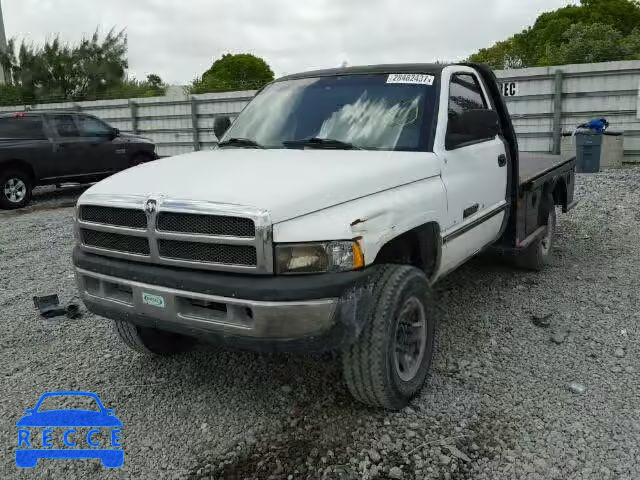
x=498, y=404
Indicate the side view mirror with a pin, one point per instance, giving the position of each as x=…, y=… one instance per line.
x=115, y=133
x=220, y=126
x=472, y=126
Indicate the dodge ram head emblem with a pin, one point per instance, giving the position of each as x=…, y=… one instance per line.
x=151, y=206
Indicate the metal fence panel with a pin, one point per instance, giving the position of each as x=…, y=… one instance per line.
x=610, y=90
x=183, y=124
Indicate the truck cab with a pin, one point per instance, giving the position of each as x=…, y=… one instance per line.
x=321, y=222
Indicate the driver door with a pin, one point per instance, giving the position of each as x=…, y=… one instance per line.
x=474, y=174
x=104, y=152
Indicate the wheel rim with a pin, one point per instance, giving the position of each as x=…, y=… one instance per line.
x=410, y=342
x=15, y=190
x=546, y=240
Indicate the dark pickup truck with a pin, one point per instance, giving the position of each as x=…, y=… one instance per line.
x=50, y=148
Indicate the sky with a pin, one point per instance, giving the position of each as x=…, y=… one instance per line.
x=179, y=40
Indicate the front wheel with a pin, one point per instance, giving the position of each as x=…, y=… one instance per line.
x=15, y=189
x=151, y=341
x=388, y=364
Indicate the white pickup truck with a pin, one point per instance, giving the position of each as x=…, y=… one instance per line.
x=331, y=206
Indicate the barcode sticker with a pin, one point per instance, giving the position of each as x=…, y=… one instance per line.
x=411, y=78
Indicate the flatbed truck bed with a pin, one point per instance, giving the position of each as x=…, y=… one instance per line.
x=534, y=165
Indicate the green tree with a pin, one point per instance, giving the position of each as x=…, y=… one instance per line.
x=584, y=43
x=631, y=44
x=234, y=72
x=132, y=88
x=155, y=81
x=57, y=71
x=542, y=43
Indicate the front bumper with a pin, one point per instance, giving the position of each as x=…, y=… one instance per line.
x=266, y=313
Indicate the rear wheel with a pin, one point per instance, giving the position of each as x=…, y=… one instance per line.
x=538, y=254
x=389, y=362
x=151, y=341
x=15, y=189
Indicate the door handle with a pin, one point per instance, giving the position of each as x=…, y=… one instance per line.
x=502, y=160
x=470, y=211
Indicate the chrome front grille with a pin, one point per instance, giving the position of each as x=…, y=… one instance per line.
x=191, y=234
x=208, y=252
x=121, y=217
x=115, y=242
x=206, y=225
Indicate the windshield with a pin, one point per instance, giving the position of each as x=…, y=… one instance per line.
x=379, y=112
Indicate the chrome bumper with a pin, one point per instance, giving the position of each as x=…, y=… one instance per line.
x=210, y=313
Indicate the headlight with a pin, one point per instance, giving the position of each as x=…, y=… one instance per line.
x=318, y=257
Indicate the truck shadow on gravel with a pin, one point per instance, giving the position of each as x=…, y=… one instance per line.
x=324, y=428
x=49, y=198
x=323, y=431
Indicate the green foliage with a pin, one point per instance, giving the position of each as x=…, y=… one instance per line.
x=573, y=34
x=94, y=68
x=631, y=44
x=234, y=72
x=132, y=88
x=584, y=43
x=11, y=95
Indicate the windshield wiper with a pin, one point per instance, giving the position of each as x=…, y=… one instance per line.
x=240, y=142
x=316, y=142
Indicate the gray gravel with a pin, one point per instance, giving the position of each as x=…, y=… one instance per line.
x=498, y=405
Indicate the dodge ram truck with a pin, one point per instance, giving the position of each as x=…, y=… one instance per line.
x=56, y=147
x=322, y=220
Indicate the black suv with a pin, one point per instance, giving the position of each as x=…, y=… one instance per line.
x=50, y=148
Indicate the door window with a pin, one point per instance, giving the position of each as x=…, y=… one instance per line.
x=65, y=125
x=465, y=94
x=92, y=127
x=22, y=127
x=466, y=124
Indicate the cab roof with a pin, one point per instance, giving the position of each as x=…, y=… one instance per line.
x=26, y=113
x=427, y=68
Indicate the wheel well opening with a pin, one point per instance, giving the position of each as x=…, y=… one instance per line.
x=560, y=193
x=418, y=247
x=18, y=165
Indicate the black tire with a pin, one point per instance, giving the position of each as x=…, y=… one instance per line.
x=371, y=367
x=15, y=189
x=538, y=254
x=151, y=341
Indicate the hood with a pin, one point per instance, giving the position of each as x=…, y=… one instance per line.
x=286, y=183
x=130, y=138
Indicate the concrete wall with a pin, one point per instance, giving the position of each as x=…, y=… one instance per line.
x=577, y=94
x=169, y=121
x=546, y=104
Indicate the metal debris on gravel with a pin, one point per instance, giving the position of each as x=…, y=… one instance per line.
x=577, y=388
x=619, y=352
x=506, y=405
x=542, y=320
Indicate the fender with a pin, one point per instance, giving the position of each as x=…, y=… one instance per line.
x=373, y=220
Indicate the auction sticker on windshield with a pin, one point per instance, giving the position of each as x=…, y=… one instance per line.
x=411, y=78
